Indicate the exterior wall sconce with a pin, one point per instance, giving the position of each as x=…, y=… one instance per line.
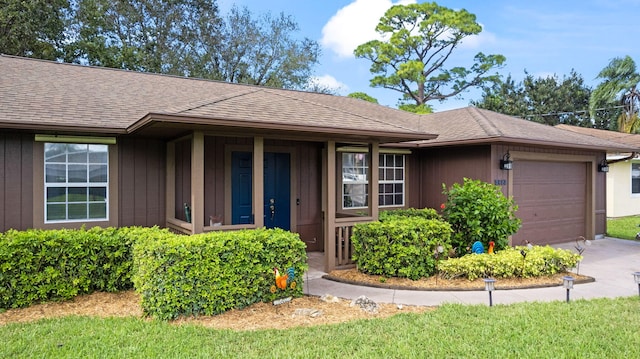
x=490, y=286
x=603, y=166
x=506, y=163
x=636, y=277
x=567, y=283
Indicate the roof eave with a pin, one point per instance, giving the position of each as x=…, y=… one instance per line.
x=515, y=140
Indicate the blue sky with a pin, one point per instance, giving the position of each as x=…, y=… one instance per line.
x=542, y=37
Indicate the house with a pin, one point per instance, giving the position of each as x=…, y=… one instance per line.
x=623, y=176
x=94, y=146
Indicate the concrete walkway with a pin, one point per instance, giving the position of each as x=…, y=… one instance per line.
x=610, y=261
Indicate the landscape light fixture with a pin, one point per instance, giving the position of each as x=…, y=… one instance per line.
x=603, y=166
x=506, y=163
x=490, y=286
x=636, y=277
x=567, y=283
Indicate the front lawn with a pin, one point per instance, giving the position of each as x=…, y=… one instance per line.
x=600, y=328
x=623, y=227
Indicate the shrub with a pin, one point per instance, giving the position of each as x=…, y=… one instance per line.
x=400, y=247
x=211, y=273
x=478, y=211
x=426, y=213
x=539, y=261
x=42, y=265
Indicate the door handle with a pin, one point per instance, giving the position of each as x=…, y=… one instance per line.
x=272, y=207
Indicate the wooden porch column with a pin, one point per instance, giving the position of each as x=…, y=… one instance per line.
x=374, y=178
x=258, y=181
x=197, y=182
x=329, y=203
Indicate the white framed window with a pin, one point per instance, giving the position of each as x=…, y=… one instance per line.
x=635, y=178
x=76, y=179
x=355, y=184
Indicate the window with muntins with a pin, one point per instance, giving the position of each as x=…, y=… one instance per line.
x=635, y=178
x=76, y=182
x=355, y=184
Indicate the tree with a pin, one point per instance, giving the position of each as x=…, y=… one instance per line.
x=260, y=51
x=33, y=28
x=617, y=96
x=363, y=96
x=143, y=35
x=419, y=39
x=549, y=99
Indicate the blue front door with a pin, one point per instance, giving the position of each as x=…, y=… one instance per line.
x=277, y=189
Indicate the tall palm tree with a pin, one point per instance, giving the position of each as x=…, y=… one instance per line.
x=617, y=96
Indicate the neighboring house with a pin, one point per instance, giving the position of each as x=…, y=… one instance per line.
x=623, y=178
x=94, y=146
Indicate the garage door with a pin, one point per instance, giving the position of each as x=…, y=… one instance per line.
x=551, y=197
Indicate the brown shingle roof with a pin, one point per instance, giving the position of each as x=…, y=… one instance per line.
x=615, y=136
x=37, y=94
x=473, y=125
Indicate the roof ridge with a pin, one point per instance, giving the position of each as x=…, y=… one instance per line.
x=484, y=122
x=414, y=129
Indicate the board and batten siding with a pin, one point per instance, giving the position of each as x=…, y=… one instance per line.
x=16, y=181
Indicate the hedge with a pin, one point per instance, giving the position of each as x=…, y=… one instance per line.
x=45, y=265
x=210, y=273
x=400, y=247
x=426, y=213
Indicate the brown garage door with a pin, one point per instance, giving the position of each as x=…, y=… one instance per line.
x=551, y=197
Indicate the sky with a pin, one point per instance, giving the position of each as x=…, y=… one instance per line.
x=543, y=37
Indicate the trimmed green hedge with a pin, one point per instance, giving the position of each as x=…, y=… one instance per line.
x=400, y=247
x=44, y=265
x=211, y=273
x=510, y=262
x=426, y=213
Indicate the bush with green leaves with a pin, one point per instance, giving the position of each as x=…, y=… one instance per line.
x=478, y=211
x=400, y=247
x=518, y=262
x=426, y=213
x=210, y=273
x=43, y=265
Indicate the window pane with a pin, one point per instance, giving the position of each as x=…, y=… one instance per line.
x=98, y=153
x=78, y=173
x=398, y=200
x=398, y=188
x=77, y=211
x=389, y=174
x=77, y=194
x=399, y=161
x=97, y=173
x=635, y=178
x=56, y=212
x=98, y=194
x=56, y=194
x=55, y=173
x=97, y=210
x=77, y=153
x=55, y=152
x=399, y=175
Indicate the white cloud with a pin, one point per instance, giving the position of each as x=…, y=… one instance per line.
x=329, y=82
x=355, y=24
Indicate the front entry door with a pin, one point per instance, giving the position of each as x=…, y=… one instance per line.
x=277, y=189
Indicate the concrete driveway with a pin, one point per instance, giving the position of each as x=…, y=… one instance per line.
x=610, y=261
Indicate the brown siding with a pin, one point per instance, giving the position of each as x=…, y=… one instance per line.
x=16, y=181
x=142, y=182
x=309, y=204
x=183, y=178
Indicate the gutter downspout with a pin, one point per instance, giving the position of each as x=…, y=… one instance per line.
x=630, y=157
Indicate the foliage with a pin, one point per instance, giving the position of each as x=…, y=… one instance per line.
x=549, y=100
x=34, y=28
x=363, y=96
x=210, y=273
x=419, y=39
x=400, y=247
x=42, y=265
x=426, y=213
x=623, y=227
x=518, y=262
x=617, y=97
x=478, y=211
x=600, y=328
x=260, y=51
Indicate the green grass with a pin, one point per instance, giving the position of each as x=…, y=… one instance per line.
x=623, y=227
x=601, y=328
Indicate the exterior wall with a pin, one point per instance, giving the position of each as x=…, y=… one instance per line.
x=142, y=182
x=16, y=181
x=620, y=200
